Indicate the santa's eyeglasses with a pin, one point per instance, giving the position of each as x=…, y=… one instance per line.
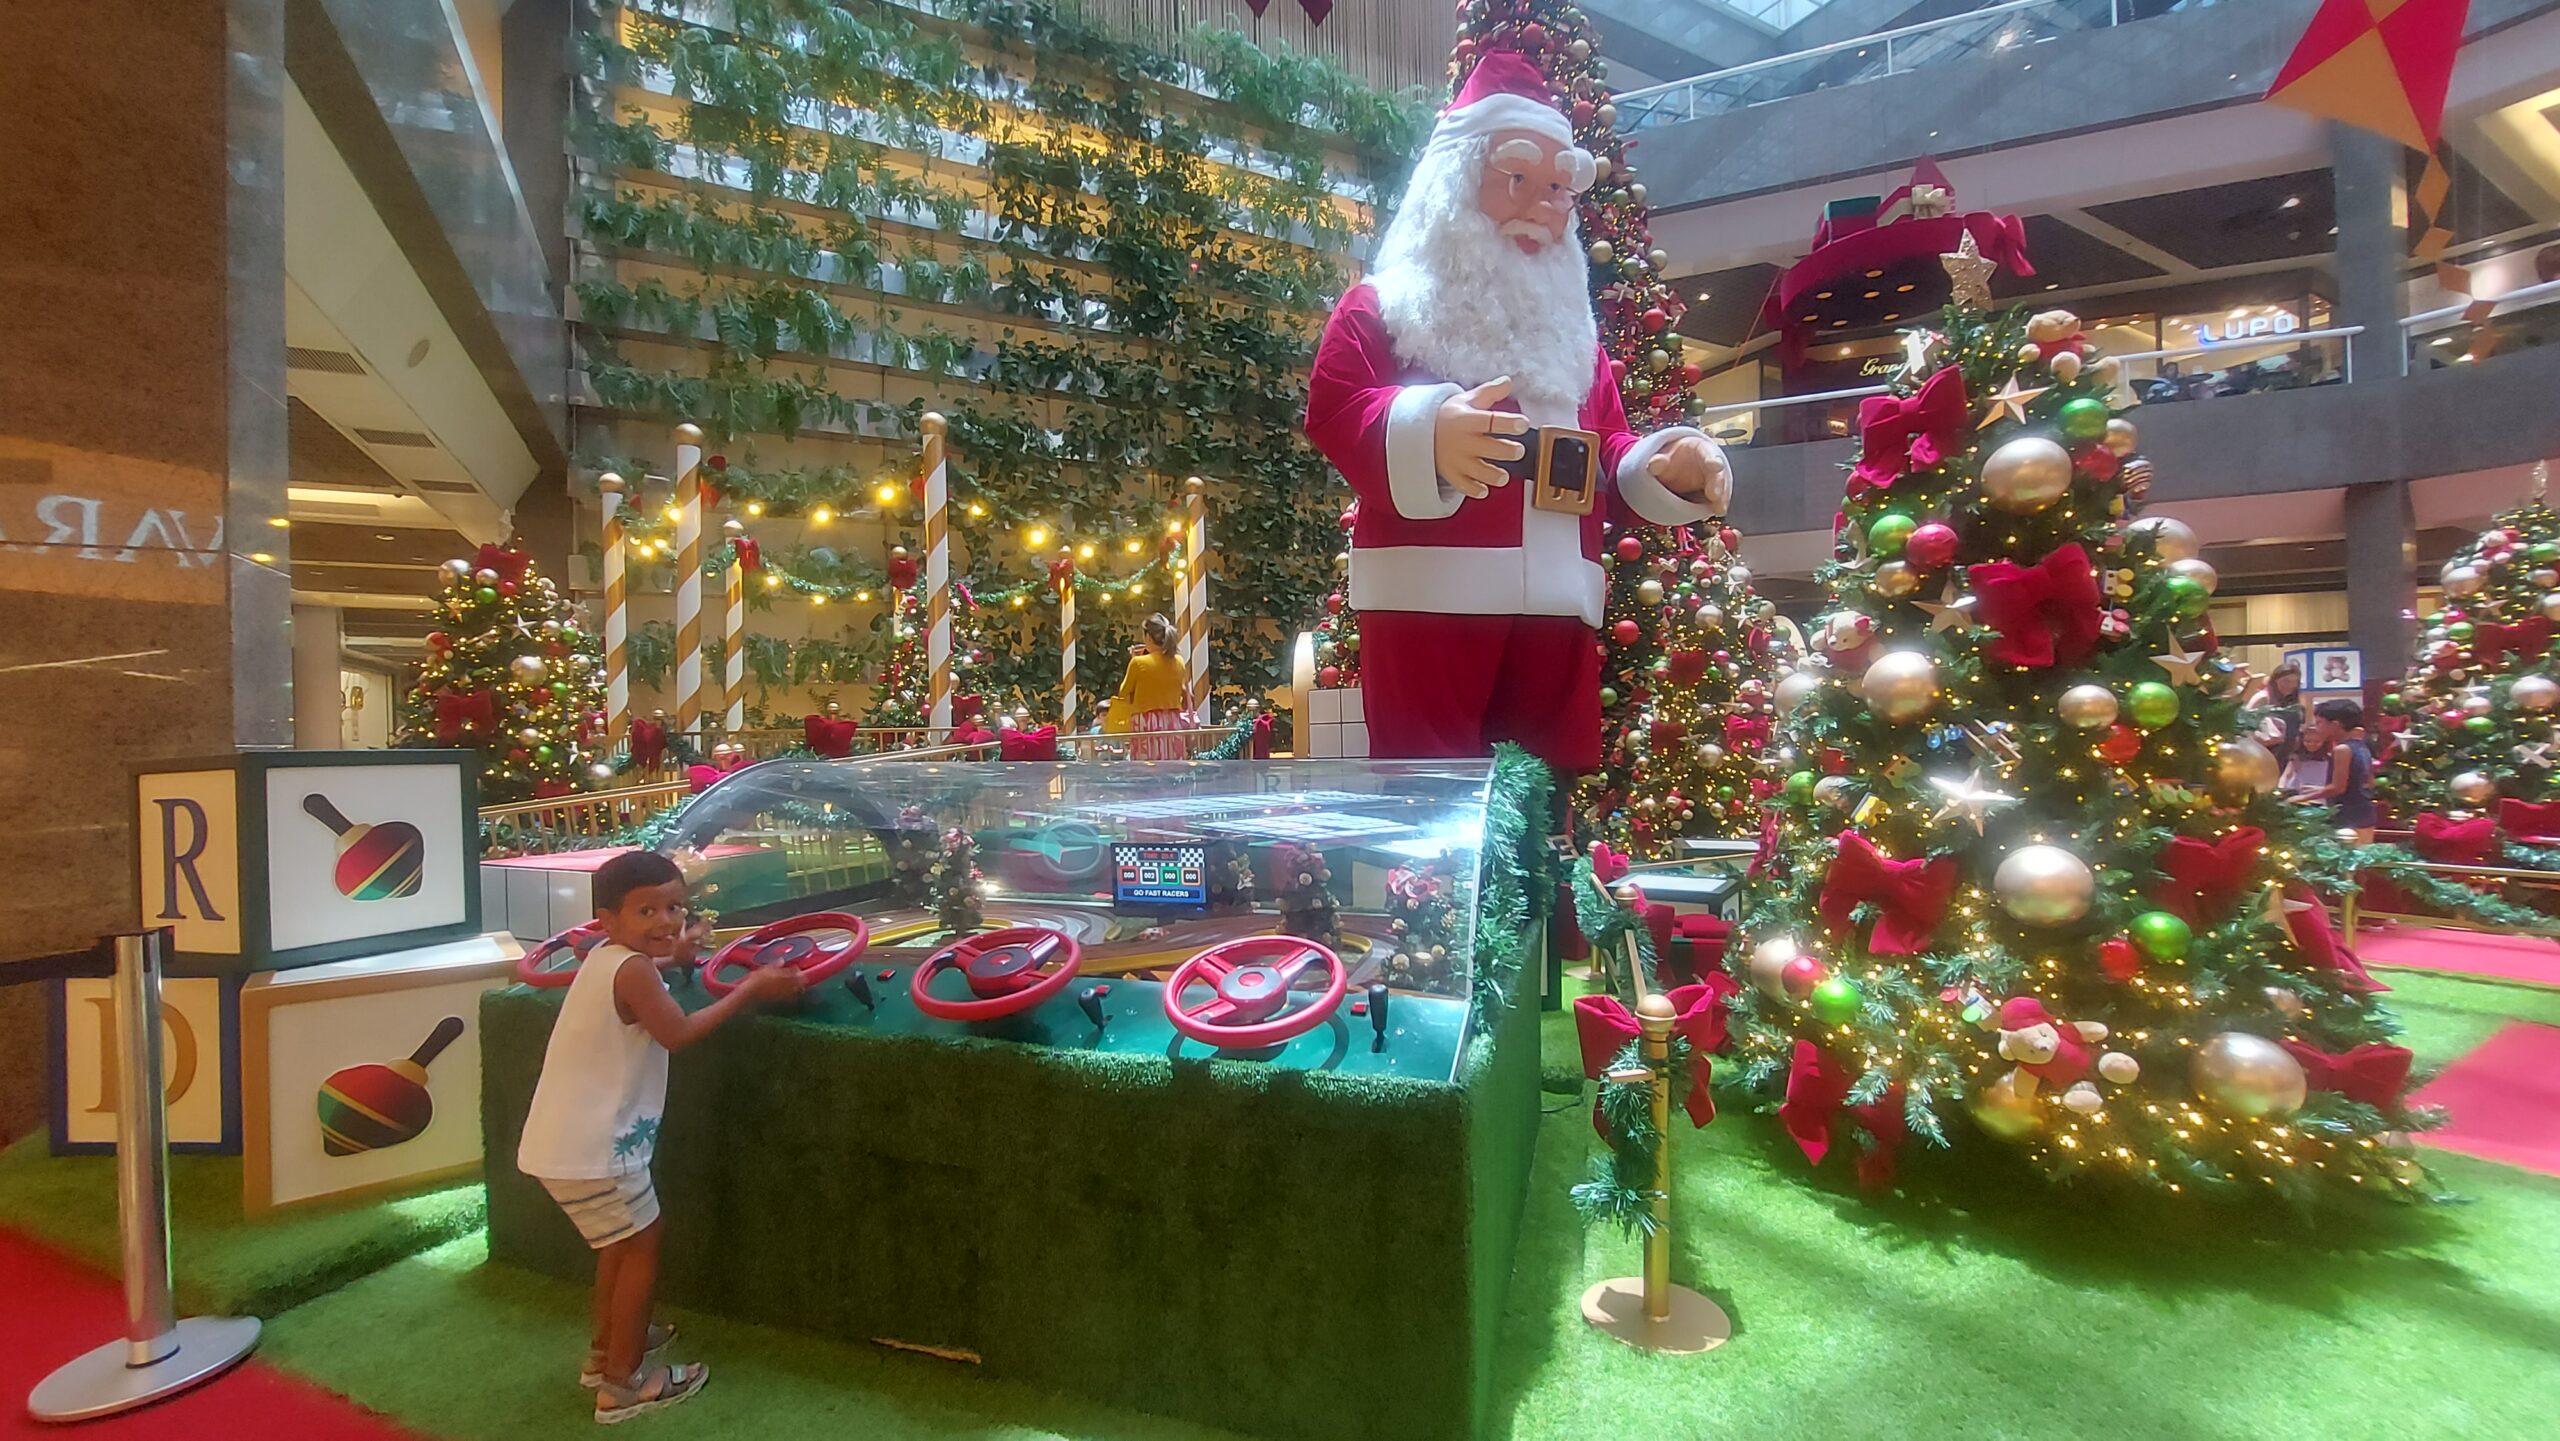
x=1571, y=166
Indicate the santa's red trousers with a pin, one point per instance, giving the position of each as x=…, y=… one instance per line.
x=1452, y=685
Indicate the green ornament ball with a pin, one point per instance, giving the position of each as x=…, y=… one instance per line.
x=2187, y=596
x=1836, y=1000
x=2393, y=703
x=542, y=753
x=486, y=595
x=2460, y=630
x=1890, y=533
x=2480, y=725
x=2545, y=550
x=2151, y=705
x=2162, y=936
x=1800, y=787
x=2084, y=419
x=1608, y=695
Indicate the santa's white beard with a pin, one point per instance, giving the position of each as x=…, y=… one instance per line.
x=1460, y=299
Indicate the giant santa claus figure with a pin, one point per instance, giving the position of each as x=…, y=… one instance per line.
x=1462, y=390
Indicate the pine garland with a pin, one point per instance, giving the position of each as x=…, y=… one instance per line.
x=1620, y=1191
x=1515, y=879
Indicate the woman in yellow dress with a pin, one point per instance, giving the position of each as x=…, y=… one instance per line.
x=1152, y=692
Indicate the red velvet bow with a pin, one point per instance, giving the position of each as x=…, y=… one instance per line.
x=1816, y=1089
x=829, y=736
x=1768, y=849
x=1607, y=865
x=1062, y=571
x=1898, y=433
x=2530, y=820
x=1040, y=743
x=902, y=571
x=2319, y=945
x=465, y=713
x=2373, y=1073
x=648, y=743
x=509, y=564
x=2455, y=843
x=551, y=788
x=1262, y=736
x=1701, y=1013
x=2202, y=878
x=1910, y=896
x=1746, y=731
x=750, y=554
x=2046, y=613
x=702, y=777
x=2528, y=639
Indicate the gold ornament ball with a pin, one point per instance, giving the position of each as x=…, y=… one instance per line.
x=1998, y=1108
x=1894, y=580
x=1794, y=689
x=2473, y=788
x=2026, y=475
x=1769, y=966
x=2027, y=352
x=1711, y=616
x=2463, y=580
x=2248, y=1076
x=2243, y=768
x=1711, y=754
x=2535, y=692
x=2065, y=366
x=1602, y=252
x=2286, y=1003
x=2197, y=569
x=2551, y=606
x=2044, y=885
x=1837, y=792
x=2171, y=540
x=2122, y=439
x=1901, y=686
x=527, y=669
x=1658, y=258
x=1650, y=592
x=1657, y=361
x=2087, y=707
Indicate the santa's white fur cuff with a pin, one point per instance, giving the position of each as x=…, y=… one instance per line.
x=1648, y=497
x=1413, y=480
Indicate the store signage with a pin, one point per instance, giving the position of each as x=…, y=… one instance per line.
x=2280, y=323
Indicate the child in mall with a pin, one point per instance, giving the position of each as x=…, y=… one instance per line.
x=1153, y=691
x=2338, y=726
x=594, y=1122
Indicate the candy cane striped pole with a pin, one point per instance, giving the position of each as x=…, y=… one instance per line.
x=1065, y=570
x=617, y=618
x=733, y=636
x=1195, y=607
x=690, y=683
x=937, y=575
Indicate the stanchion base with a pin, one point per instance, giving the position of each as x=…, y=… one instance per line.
x=99, y=1383
x=1615, y=1309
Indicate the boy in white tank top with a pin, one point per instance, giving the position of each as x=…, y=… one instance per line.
x=594, y=1122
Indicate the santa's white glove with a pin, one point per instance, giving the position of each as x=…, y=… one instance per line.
x=1693, y=469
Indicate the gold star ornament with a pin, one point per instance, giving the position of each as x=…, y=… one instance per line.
x=1968, y=799
x=1971, y=274
x=2179, y=662
x=2011, y=401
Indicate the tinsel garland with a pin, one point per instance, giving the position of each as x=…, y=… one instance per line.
x=1238, y=740
x=2338, y=865
x=1603, y=920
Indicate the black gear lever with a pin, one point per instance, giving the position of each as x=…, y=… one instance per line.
x=1377, y=1015
x=860, y=985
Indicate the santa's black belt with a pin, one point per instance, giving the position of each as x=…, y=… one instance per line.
x=1561, y=466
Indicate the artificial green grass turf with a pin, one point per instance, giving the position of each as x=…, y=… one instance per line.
x=226, y=1265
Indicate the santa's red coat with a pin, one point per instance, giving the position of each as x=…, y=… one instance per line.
x=1421, y=547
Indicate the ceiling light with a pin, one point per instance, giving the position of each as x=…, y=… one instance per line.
x=2291, y=202
x=384, y=535
x=2053, y=285
x=1705, y=296
x=2441, y=340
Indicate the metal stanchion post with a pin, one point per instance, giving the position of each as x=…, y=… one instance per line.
x=159, y=1355
x=1647, y=1311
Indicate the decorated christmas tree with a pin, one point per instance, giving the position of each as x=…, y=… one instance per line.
x=510, y=675
x=2033, y=887
x=1694, y=758
x=2479, y=706
x=1338, y=630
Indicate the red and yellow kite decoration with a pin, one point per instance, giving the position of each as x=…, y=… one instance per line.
x=2383, y=65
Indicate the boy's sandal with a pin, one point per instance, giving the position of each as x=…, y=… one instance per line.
x=657, y=1388
x=659, y=1337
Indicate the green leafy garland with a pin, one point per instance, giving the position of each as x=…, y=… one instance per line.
x=1620, y=1191
x=1516, y=875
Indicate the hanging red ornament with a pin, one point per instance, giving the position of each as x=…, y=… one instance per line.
x=1627, y=632
x=2122, y=743
x=1630, y=547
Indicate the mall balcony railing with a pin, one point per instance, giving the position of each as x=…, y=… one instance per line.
x=2010, y=25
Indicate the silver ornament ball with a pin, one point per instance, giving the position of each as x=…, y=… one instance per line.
x=2026, y=475
x=2043, y=885
x=527, y=669
x=2463, y=580
x=2535, y=692
x=2171, y=540
x=2087, y=707
x=2551, y=605
x=1837, y=792
x=2473, y=788
x=2248, y=1075
x=1794, y=689
x=2197, y=569
x=456, y=571
x=1711, y=754
x=2122, y=440
x=1768, y=966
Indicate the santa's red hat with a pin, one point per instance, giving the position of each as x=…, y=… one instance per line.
x=1503, y=93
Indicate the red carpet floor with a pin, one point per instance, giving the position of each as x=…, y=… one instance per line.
x=2533, y=960
x=2503, y=1100
x=55, y=1309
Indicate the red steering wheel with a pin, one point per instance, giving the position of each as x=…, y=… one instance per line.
x=1008, y=971
x=1252, y=978
x=533, y=968
x=791, y=942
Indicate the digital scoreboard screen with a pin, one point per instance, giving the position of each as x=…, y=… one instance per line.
x=1160, y=875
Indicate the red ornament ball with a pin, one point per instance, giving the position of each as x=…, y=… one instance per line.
x=1800, y=976
x=507, y=587
x=1329, y=677
x=718, y=462
x=1333, y=603
x=1655, y=318
x=1627, y=632
x=2118, y=958
x=2122, y=743
x=1630, y=547
x=1930, y=546
x=438, y=641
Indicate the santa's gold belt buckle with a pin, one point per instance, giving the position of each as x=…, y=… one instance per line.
x=1568, y=469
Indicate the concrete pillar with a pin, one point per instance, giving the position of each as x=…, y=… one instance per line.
x=318, y=636
x=2372, y=201
x=2382, y=586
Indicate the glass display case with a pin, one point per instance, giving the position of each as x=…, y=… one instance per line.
x=1315, y=914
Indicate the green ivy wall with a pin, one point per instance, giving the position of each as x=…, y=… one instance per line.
x=802, y=224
